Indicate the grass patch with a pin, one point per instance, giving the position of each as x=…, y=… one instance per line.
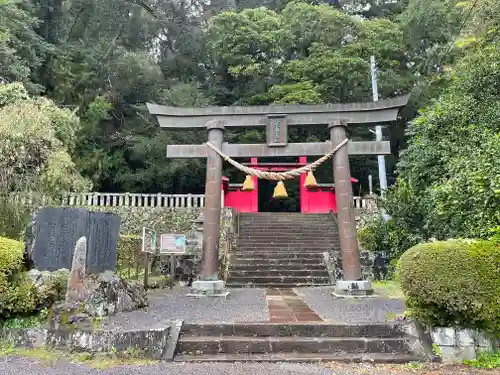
x=22, y=322
x=48, y=356
x=388, y=288
x=42, y=354
x=100, y=362
x=487, y=360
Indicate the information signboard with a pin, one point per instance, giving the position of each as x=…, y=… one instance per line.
x=171, y=243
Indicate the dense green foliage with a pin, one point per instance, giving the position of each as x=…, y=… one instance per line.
x=449, y=175
x=485, y=360
x=129, y=255
x=105, y=59
x=453, y=282
x=96, y=63
x=35, y=140
x=17, y=293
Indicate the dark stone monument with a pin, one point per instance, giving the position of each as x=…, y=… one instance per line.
x=53, y=232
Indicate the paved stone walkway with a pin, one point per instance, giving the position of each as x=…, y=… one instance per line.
x=242, y=305
x=31, y=366
x=347, y=310
x=257, y=305
x=286, y=306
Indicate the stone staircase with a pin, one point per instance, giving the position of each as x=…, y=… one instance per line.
x=282, y=250
x=300, y=342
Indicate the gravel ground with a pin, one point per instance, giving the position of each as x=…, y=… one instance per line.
x=347, y=310
x=16, y=366
x=242, y=305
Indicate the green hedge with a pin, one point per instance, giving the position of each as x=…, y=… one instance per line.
x=129, y=255
x=453, y=283
x=11, y=256
x=17, y=293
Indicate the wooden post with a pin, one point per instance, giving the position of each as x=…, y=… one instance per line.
x=172, y=270
x=146, y=270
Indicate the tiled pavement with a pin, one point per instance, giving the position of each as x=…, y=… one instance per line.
x=286, y=306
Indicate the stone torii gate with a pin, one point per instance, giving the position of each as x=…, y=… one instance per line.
x=276, y=120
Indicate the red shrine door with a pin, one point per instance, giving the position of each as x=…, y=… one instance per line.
x=316, y=200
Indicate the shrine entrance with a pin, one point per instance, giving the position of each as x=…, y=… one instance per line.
x=269, y=204
x=265, y=188
x=302, y=197
x=276, y=119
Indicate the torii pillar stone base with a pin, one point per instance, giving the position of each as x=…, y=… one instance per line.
x=208, y=283
x=351, y=285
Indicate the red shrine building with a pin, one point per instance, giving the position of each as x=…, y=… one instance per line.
x=313, y=200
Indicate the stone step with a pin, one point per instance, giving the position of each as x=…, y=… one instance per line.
x=269, y=228
x=380, y=330
x=306, y=239
x=242, y=344
x=304, y=224
x=275, y=260
x=238, y=273
x=287, y=218
x=257, y=214
x=291, y=219
x=286, y=245
x=278, y=258
x=276, y=279
x=281, y=285
x=274, y=264
x=390, y=358
x=313, y=227
x=260, y=266
x=294, y=220
x=290, y=251
x=287, y=233
x=281, y=239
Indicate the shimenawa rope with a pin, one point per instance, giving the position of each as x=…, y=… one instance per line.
x=278, y=176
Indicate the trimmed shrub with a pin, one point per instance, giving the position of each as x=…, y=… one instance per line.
x=128, y=254
x=17, y=292
x=453, y=283
x=11, y=256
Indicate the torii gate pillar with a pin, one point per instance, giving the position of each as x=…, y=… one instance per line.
x=208, y=282
x=351, y=283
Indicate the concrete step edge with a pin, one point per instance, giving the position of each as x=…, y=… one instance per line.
x=304, y=358
x=250, y=339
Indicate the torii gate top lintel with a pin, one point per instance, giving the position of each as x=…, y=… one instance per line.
x=382, y=111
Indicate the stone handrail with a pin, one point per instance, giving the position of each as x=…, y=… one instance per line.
x=95, y=199
x=119, y=199
x=367, y=202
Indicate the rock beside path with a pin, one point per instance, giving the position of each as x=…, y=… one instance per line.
x=109, y=294
x=50, y=286
x=105, y=295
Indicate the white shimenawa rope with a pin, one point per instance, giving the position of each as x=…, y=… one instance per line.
x=278, y=176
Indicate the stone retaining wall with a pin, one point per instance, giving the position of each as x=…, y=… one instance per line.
x=152, y=343
x=459, y=344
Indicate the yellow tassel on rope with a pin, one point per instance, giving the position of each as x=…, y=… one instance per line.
x=310, y=180
x=280, y=191
x=248, y=185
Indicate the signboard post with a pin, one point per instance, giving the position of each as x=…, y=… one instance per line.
x=172, y=244
x=148, y=247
